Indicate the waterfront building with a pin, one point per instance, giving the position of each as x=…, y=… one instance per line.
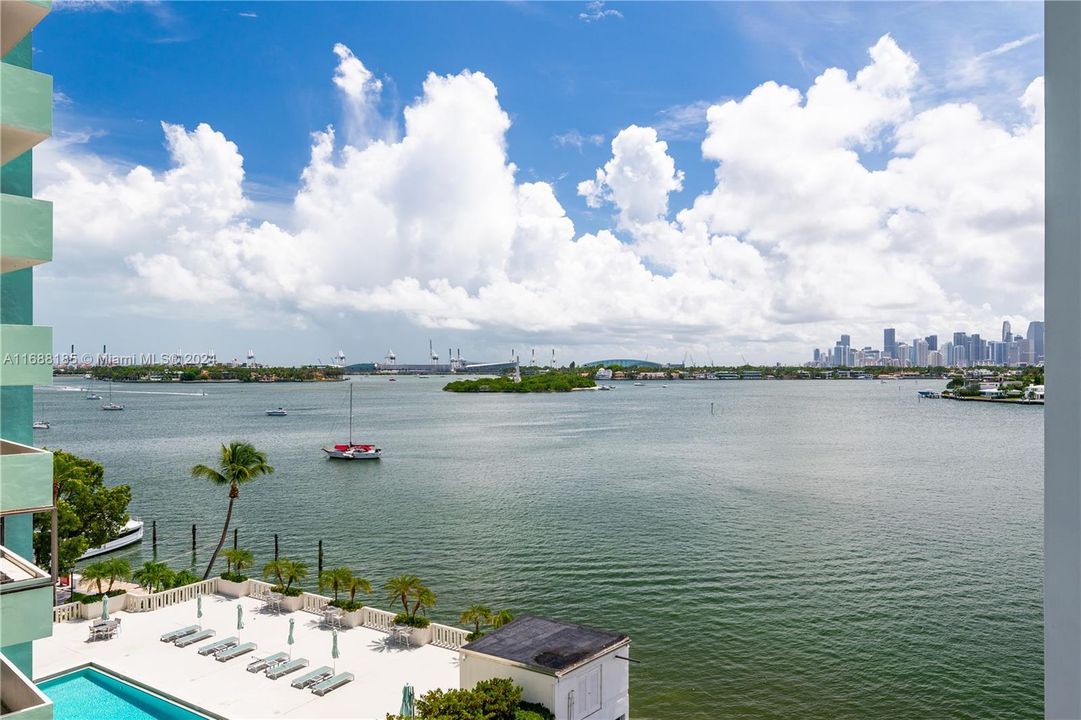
x=26, y=240
x=903, y=359
x=935, y=358
x=920, y=350
x=1036, y=337
x=889, y=342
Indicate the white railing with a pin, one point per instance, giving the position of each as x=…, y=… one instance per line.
x=310, y=602
x=258, y=589
x=144, y=603
x=65, y=612
x=447, y=636
x=378, y=619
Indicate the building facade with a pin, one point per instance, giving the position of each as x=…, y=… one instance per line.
x=26, y=591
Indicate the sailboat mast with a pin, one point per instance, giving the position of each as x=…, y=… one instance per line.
x=350, y=413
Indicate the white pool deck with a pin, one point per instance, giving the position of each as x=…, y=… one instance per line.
x=227, y=688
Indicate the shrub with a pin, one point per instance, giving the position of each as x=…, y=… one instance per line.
x=233, y=577
x=533, y=711
x=417, y=621
x=288, y=591
x=496, y=699
x=347, y=605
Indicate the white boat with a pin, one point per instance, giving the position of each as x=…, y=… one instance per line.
x=111, y=405
x=351, y=450
x=41, y=425
x=638, y=384
x=92, y=396
x=606, y=387
x=129, y=535
x=280, y=412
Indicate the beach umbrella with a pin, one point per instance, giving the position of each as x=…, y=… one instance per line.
x=104, y=608
x=407, y=701
x=290, y=641
x=334, y=654
x=199, y=608
x=239, y=619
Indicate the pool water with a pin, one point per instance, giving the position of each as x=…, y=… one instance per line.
x=89, y=694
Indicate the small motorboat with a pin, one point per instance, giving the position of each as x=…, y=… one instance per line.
x=41, y=425
x=392, y=379
x=93, y=396
x=280, y=412
x=131, y=533
x=638, y=384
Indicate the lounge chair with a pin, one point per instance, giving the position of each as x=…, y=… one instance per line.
x=285, y=668
x=192, y=639
x=317, y=675
x=218, y=645
x=234, y=652
x=268, y=662
x=332, y=684
x=177, y=634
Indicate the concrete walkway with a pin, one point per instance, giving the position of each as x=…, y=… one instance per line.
x=227, y=689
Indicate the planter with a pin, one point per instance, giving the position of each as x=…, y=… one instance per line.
x=353, y=618
x=420, y=636
x=292, y=604
x=92, y=611
x=233, y=589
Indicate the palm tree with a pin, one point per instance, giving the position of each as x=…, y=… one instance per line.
x=116, y=569
x=357, y=584
x=183, y=577
x=236, y=559
x=423, y=599
x=240, y=463
x=96, y=573
x=293, y=571
x=154, y=575
x=401, y=589
x=275, y=569
x=501, y=618
x=336, y=579
x=476, y=614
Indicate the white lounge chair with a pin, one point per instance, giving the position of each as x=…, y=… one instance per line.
x=218, y=645
x=316, y=676
x=332, y=684
x=194, y=638
x=266, y=663
x=285, y=668
x=233, y=652
x=177, y=634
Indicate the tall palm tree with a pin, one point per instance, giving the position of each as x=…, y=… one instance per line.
x=423, y=599
x=236, y=559
x=336, y=579
x=240, y=463
x=293, y=571
x=96, y=573
x=275, y=569
x=501, y=618
x=476, y=614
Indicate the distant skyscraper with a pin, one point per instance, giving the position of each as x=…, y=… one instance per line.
x=902, y=354
x=932, y=342
x=1036, y=335
x=976, y=349
x=960, y=339
x=817, y=355
x=846, y=340
x=921, y=353
x=934, y=359
x=889, y=342
x=1007, y=332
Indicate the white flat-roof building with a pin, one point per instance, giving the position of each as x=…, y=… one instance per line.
x=575, y=671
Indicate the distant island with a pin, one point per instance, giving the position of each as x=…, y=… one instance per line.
x=206, y=374
x=540, y=383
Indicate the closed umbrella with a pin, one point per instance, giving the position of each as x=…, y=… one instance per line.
x=407, y=701
x=104, y=608
x=290, y=640
x=334, y=654
x=239, y=619
x=199, y=609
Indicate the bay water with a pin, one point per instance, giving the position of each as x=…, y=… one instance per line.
x=810, y=549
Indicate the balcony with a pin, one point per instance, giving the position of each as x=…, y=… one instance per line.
x=26, y=232
x=19, y=698
x=26, y=109
x=26, y=478
x=26, y=355
x=26, y=600
x=18, y=18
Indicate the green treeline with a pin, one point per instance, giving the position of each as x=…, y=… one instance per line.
x=181, y=373
x=547, y=382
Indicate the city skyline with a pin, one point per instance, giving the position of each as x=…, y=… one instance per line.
x=330, y=188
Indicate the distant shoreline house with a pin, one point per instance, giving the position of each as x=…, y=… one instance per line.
x=575, y=671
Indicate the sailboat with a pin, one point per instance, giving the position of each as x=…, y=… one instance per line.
x=351, y=450
x=111, y=405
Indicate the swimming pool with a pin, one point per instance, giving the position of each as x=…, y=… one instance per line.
x=90, y=694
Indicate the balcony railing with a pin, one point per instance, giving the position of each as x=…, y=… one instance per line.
x=20, y=698
x=26, y=109
x=26, y=597
x=27, y=478
x=26, y=232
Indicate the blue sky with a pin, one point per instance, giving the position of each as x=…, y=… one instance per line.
x=260, y=74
